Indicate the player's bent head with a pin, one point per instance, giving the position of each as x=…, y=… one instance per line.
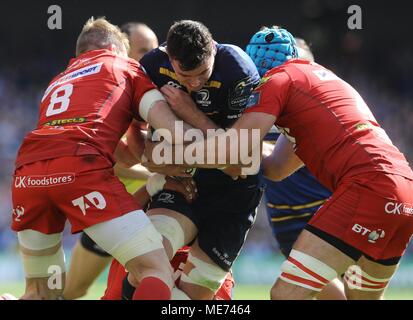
x=271, y=47
x=191, y=50
x=303, y=50
x=101, y=34
x=142, y=39
x=189, y=42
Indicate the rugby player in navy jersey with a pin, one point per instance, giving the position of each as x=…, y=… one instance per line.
x=192, y=69
x=88, y=260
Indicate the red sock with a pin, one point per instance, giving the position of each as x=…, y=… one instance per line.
x=152, y=288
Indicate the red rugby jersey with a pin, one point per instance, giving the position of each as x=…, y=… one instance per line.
x=87, y=108
x=334, y=132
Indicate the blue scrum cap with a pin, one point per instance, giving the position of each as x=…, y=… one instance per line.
x=271, y=47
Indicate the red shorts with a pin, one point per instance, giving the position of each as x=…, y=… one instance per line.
x=372, y=213
x=117, y=273
x=82, y=189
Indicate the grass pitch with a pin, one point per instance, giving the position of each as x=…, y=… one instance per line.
x=241, y=292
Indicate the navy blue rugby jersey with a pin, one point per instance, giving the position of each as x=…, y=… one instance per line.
x=291, y=202
x=223, y=98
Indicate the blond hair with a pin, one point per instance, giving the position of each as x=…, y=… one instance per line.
x=99, y=34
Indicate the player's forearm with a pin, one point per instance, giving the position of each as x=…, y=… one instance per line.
x=123, y=156
x=217, y=151
x=238, y=145
x=200, y=121
x=135, y=139
x=137, y=172
x=282, y=162
x=166, y=124
x=185, y=108
x=142, y=196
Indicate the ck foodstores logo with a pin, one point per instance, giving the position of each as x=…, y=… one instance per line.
x=372, y=235
x=94, y=198
x=399, y=208
x=22, y=182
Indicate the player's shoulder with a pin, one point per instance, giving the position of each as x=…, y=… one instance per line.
x=306, y=73
x=87, y=64
x=232, y=55
x=299, y=66
x=291, y=70
x=155, y=57
x=230, y=51
x=95, y=61
x=233, y=63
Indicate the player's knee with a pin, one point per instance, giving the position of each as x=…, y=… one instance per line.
x=171, y=230
x=131, y=235
x=204, y=274
x=274, y=293
x=75, y=293
x=305, y=271
x=155, y=265
x=132, y=280
x=42, y=254
x=333, y=291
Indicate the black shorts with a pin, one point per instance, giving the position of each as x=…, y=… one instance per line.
x=223, y=216
x=286, y=241
x=287, y=232
x=91, y=246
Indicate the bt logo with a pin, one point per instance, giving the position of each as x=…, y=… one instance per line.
x=372, y=236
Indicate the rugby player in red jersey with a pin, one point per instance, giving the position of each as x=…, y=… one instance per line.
x=88, y=260
x=64, y=168
x=362, y=231
x=292, y=202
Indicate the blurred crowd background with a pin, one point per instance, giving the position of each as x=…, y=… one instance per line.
x=376, y=60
